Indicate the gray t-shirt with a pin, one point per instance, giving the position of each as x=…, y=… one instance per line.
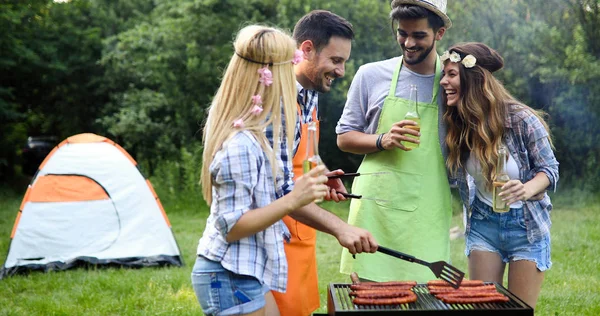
x=370, y=87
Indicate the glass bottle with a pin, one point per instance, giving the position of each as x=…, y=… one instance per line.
x=312, y=151
x=500, y=178
x=413, y=115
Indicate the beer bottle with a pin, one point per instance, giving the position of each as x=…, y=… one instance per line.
x=312, y=151
x=500, y=178
x=413, y=115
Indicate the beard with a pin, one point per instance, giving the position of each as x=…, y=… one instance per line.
x=321, y=86
x=320, y=82
x=420, y=57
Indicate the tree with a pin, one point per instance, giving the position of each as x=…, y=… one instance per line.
x=143, y=72
x=19, y=62
x=163, y=72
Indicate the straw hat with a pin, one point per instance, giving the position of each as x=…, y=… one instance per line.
x=436, y=6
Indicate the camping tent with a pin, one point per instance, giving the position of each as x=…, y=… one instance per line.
x=89, y=204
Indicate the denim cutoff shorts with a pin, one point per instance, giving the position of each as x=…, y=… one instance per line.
x=221, y=292
x=506, y=235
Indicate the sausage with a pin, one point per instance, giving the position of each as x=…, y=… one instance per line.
x=463, y=283
x=445, y=289
x=380, y=293
x=390, y=283
x=467, y=288
x=400, y=291
x=386, y=301
x=474, y=300
x=356, y=287
x=354, y=278
x=383, y=290
x=467, y=294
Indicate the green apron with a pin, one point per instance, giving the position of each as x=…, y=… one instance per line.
x=415, y=218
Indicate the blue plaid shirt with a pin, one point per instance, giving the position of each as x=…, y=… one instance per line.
x=243, y=181
x=308, y=100
x=527, y=142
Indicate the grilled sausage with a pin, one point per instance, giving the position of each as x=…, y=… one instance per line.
x=466, y=288
x=467, y=294
x=356, y=287
x=390, y=283
x=380, y=293
x=464, y=283
x=385, y=301
x=475, y=300
x=445, y=289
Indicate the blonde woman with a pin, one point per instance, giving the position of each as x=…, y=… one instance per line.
x=481, y=116
x=240, y=254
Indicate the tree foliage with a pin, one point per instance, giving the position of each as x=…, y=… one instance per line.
x=143, y=72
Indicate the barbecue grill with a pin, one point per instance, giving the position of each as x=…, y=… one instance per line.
x=339, y=302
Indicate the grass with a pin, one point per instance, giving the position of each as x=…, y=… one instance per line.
x=571, y=287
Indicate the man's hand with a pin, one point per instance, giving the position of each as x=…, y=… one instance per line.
x=356, y=240
x=335, y=187
x=397, y=134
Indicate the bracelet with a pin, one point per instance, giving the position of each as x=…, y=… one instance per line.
x=378, y=142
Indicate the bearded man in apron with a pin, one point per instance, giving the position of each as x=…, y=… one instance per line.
x=325, y=41
x=416, y=217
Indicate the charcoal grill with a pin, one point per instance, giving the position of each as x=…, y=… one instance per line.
x=339, y=302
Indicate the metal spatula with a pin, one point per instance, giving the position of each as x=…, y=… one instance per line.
x=441, y=269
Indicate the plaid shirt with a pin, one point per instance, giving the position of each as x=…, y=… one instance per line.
x=243, y=181
x=527, y=142
x=308, y=100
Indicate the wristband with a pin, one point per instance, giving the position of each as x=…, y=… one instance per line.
x=378, y=142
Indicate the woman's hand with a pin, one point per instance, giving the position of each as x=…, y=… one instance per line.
x=513, y=191
x=310, y=187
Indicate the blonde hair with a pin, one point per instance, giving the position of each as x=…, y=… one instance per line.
x=477, y=124
x=255, y=47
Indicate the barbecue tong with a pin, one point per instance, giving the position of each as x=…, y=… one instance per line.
x=356, y=174
x=355, y=196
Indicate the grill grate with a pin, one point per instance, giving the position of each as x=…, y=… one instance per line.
x=340, y=303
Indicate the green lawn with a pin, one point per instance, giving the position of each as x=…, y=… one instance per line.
x=572, y=286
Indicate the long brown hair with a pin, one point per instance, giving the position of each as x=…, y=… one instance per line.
x=477, y=124
x=255, y=46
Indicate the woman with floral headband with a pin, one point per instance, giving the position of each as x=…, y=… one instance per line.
x=241, y=255
x=481, y=117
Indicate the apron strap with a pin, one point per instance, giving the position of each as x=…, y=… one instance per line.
x=436, y=80
x=392, y=93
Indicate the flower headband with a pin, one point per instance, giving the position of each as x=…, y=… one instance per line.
x=469, y=61
x=298, y=54
x=266, y=79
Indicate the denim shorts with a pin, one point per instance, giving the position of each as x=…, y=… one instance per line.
x=221, y=292
x=506, y=235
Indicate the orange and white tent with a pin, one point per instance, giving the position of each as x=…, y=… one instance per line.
x=89, y=204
